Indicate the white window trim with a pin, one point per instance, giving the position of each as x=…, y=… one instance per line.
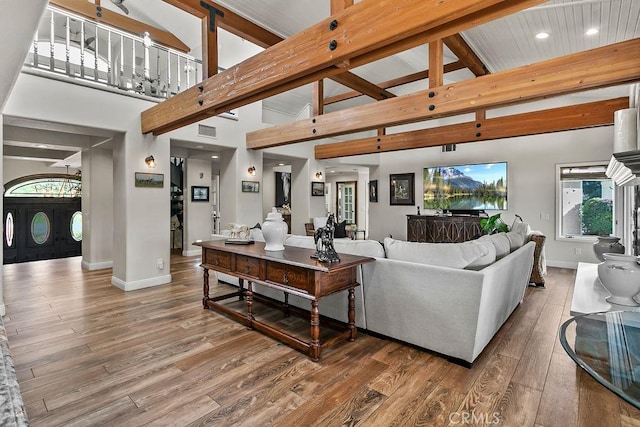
x=618, y=209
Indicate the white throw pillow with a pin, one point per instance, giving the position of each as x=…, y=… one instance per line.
x=454, y=255
x=517, y=235
x=319, y=222
x=501, y=243
x=487, y=259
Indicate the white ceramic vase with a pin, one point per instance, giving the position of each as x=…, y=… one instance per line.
x=620, y=275
x=274, y=230
x=607, y=244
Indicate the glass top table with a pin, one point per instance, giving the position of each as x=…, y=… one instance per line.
x=607, y=346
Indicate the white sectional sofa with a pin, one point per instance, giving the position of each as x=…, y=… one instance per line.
x=453, y=307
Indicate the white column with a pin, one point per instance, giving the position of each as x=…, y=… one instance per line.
x=236, y=206
x=141, y=215
x=97, y=209
x=197, y=214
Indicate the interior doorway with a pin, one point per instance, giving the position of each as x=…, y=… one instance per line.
x=346, y=201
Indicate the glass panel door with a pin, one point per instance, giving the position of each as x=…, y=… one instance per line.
x=346, y=202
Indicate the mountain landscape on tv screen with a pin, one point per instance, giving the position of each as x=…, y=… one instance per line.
x=465, y=187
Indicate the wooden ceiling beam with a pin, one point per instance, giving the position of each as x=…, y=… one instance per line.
x=359, y=32
x=362, y=86
x=459, y=47
x=243, y=28
x=601, y=67
x=436, y=63
x=420, y=75
x=90, y=11
x=593, y=114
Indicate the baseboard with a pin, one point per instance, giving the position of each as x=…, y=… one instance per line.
x=562, y=264
x=96, y=265
x=140, y=284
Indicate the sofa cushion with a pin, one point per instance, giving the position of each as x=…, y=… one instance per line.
x=454, y=255
x=487, y=259
x=501, y=243
x=341, y=229
x=518, y=235
x=370, y=248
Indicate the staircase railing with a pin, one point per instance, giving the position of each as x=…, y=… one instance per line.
x=70, y=45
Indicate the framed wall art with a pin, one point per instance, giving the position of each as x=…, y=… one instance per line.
x=317, y=188
x=402, y=189
x=283, y=189
x=373, y=191
x=152, y=180
x=199, y=194
x=250, y=186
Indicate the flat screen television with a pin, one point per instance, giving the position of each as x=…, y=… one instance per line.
x=465, y=188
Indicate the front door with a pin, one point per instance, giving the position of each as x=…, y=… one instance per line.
x=41, y=228
x=346, y=203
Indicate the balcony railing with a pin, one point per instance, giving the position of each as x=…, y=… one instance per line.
x=67, y=44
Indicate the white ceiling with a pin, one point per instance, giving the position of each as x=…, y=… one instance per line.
x=503, y=44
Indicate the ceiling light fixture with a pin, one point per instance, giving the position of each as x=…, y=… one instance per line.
x=252, y=170
x=592, y=31
x=150, y=161
x=542, y=35
x=42, y=146
x=215, y=156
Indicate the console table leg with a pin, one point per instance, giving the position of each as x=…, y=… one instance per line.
x=241, y=289
x=250, y=305
x=351, y=314
x=314, y=350
x=205, y=288
x=285, y=307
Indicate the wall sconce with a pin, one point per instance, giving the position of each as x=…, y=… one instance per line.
x=150, y=161
x=252, y=170
x=318, y=175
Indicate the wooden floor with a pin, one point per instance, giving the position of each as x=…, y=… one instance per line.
x=88, y=353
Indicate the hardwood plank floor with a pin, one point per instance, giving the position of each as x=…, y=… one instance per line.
x=87, y=354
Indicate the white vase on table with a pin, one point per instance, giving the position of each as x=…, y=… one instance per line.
x=274, y=230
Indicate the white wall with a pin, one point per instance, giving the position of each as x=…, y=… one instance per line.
x=17, y=168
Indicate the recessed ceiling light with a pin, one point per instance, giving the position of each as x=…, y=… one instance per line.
x=199, y=146
x=42, y=146
x=332, y=171
x=542, y=35
x=215, y=156
x=592, y=31
x=280, y=164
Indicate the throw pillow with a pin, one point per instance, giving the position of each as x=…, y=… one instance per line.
x=487, y=259
x=453, y=255
x=501, y=243
x=341, y=230
x=517, y=235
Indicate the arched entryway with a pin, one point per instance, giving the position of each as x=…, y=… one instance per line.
x=42, y=218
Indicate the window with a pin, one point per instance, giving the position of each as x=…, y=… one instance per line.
x=586, y=201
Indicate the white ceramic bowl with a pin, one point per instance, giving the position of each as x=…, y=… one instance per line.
x=620, y=275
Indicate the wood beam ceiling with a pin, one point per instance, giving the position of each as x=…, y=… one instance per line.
x=596, y=68
x=360, y=36
x=96, y=13
x=243, y=28
x=420, y=75
x=571, y=117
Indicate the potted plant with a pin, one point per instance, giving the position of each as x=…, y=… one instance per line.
x=493, y=224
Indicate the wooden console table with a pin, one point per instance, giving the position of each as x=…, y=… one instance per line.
x=443, y=229
x=291, y=271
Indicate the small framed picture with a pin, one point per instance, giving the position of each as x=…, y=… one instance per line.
x=250, y=186
x=373, y=191
x=401, y=188
x=153, y=180
x=317, y=188
x=199, y=194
